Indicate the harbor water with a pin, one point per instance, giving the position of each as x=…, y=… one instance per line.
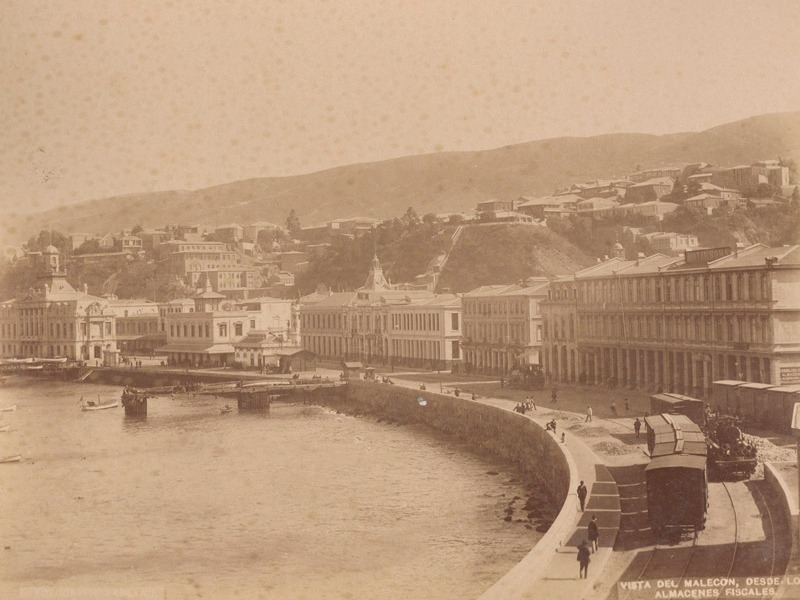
x=299, y=502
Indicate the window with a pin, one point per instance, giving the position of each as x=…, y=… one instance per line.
x=456, y=350
x=223, y=329
x=454, y=324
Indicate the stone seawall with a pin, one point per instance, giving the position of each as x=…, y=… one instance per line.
x=507, y=435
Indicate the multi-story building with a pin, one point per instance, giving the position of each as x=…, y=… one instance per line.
x=381, y=323
x=671, y=242
x=658, y=172
x=647, y=191
x=749, y=177
x=678, y=323
x=55, y=320
x=196, y=262
x=136, y=325
x=206, y=334
x=503, y=326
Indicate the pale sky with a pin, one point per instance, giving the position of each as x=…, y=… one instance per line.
x=107, y=98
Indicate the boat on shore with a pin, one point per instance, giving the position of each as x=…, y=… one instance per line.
x=4, y=428
x=10, y=459
x=225, y=409
x=9, y=408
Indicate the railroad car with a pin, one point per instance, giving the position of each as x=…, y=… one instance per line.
x=676, y=480
x=669, y=403
x=759, y=403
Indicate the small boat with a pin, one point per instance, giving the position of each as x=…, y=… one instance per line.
x=92, y=406
x=9, y=408
x=10, y=459
x=4, y=428
x=225, y=409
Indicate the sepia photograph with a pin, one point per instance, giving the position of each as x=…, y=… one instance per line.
x=399, y=300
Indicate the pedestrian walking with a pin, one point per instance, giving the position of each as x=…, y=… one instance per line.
x=554, y=395
x=588, y=414
x=582, y=491
x=614, y=407
x=583, y=560
x=594, y=533
x=627, y=406
x=637, y=425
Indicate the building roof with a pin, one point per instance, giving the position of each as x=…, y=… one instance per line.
x=654, y=181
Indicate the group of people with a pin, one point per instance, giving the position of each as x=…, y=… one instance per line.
x=587, y=547
x=592, y=541
x=523, y=407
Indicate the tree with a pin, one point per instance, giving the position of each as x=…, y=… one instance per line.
x=411, y=218
x=137, y=229
x=293, y=224
x=47, y=238
x=794, y=201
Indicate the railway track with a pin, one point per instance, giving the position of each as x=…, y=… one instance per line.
x=722, y=553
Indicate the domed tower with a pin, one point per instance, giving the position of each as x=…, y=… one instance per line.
x=375, y=279
x=617, y=251
x=50, y=258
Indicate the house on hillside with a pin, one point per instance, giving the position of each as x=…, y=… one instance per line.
x=652, y=211
x=597, y=208
x=655, y=173
x=647, y=191
x=548, y=206
x=706, y=202
x=231, y=233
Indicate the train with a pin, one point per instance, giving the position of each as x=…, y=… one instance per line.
x=676, y=478
x=730, y=454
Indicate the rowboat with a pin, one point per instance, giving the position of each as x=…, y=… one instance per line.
x=4, y=428
x=10, y=459
x=9, y=408
x=226, y=409
x=92, y=406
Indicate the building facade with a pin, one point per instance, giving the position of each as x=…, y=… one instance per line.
x=503, y=326
x=678, y=323
x=383, y=324
x=55, y=320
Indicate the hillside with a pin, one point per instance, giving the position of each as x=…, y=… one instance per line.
x=442, y=182
x=502, y=254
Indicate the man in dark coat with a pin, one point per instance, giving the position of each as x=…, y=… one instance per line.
x=594, y=533
x=583, y=559
x=582, y=491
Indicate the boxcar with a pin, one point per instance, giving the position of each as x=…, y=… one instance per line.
x=677, y=492
x=780, y=404
x=679, y=405
x=724, y=395
x=751, y=401
x=676, y=479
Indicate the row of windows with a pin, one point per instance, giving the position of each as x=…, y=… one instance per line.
x=705, y=287
x=489, y=308
x=719, y=328
x=486, y=332
x=136, y=327
x=203, y=330
x=54, y=330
